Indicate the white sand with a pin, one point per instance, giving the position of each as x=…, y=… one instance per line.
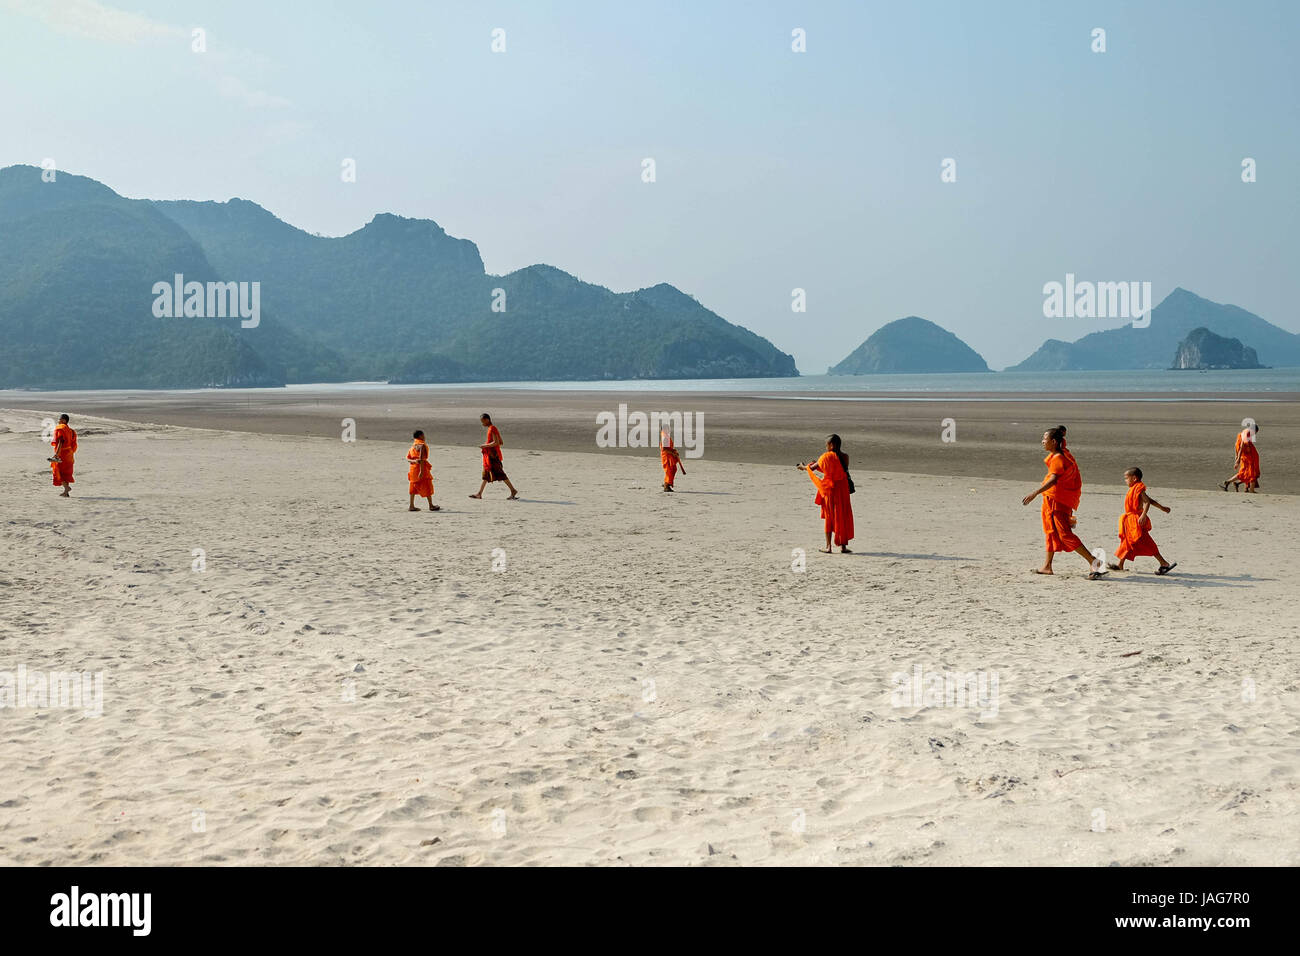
x=504, y=715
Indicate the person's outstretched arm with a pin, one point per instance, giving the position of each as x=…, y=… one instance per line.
x=1151, y=501
x=1051, y=480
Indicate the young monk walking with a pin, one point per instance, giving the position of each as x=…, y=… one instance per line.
x=1134, y=526
x=1247, y=461
x=492, y=470
x=670, y=458
x=1061, y=490
x=419, y=473
x=833, y=494
x=65, y=448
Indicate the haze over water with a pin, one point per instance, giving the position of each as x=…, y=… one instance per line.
x=1042, y=384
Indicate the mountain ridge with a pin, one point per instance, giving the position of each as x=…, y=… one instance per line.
x=394, y=296
x=1171, y=321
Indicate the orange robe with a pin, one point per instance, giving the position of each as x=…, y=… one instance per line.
x=492, y=456
x=1248, y=471
x=668, y=458
x=833, y=496
x=1134, y=541
x=420, y=475
x=1060, y=500
x=65, y=447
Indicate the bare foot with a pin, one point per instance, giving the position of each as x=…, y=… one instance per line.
x=65, y=495
x=1040, y=571
x=432, y=508
x=412, y=508
x=825, y=550
x=476, y=496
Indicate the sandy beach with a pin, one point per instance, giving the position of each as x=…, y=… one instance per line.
x=1180, y=440
x=297, y=670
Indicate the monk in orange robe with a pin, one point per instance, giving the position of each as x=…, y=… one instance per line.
x=65, y=449
x=419, y=473
x=1134, y=526
x=670, y=458
x=833, y=494
x=492, y=468
x=1247, y=461
x=1061, y=490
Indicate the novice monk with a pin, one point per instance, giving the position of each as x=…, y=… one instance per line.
x=1134, y=525
x=65, y=447
x=1247, y=461
x=419, y=475
x=1061, y=489
x=492, y=470
x=669, y=457
x=833, y=494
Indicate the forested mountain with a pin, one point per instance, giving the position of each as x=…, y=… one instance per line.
x=912, y=344
x=1171, y=321
x=397, y=299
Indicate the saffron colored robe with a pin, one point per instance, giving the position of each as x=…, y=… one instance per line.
x=1248, y=470
x=420, y=473
x=833, y=496
x=492, y=468
x=1134, y=541
x=65, y=447
x=668, y=458
x=1059, y=502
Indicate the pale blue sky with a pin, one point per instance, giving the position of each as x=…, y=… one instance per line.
x=775, y=169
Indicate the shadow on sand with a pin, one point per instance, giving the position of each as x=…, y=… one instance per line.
x=1187, y=580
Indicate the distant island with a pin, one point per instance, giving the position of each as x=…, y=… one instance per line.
x=910, y=344
x=1172, y=321
x=397, y=300
x=1202, y=349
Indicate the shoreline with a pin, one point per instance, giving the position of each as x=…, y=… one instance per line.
x=1183, y=441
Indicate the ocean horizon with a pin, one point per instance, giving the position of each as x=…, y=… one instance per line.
x=1122, y=383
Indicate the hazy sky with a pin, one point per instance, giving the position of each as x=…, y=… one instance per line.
x=775, y=169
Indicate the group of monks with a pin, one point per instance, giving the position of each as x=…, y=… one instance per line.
x=1060, y=490
x=419, y=472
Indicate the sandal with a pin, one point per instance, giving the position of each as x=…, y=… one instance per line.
x=1166, y=568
